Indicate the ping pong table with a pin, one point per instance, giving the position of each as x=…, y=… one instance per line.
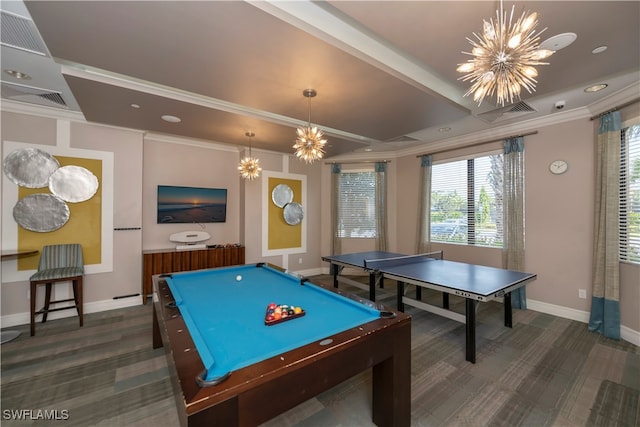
x=475, y=283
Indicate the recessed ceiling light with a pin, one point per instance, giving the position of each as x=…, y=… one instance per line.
x=171, y=119
x=595, y=88
x=18, y=74
x=135, y=106
x=599, y=49
x=444, y=129
x=368, y=149
x=559, y=41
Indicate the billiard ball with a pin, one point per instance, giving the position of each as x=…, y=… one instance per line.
x=238, y=278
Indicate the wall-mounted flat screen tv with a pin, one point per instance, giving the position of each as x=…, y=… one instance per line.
x=191, y=204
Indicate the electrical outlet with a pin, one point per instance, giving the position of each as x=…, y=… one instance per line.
x=582, y=293
x=299, y=260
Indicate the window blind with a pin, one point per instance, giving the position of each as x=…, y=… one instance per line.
x=356, y=210
x=466, y=201
x=629, y=213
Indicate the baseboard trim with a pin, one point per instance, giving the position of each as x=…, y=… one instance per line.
x=10, y=320
x=307, y=273
x=558, y=310
x=91, y=307
x=626, y=333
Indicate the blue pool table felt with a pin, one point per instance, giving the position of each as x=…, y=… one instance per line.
x=225, y=316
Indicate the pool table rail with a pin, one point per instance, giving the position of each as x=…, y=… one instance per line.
x=248, y=396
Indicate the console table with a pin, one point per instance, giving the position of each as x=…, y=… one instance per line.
x=170, y=260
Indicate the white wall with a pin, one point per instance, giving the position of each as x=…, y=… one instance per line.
x=559, y=225
x=174, y=161
x=121, y=275
x=559, y=213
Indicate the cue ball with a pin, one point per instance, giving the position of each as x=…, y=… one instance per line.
x=238, y=277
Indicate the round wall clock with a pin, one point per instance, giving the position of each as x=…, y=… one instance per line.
x=558, y=167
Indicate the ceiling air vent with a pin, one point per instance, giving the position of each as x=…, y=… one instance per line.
x=506, y=113
x=33, y=95
x=21, y=33
x=402, y=138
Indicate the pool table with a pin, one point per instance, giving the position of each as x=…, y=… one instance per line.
x=230, y=367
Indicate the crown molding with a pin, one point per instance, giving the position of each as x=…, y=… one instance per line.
x=200, y=143
x=40, y=110
x=627, y=94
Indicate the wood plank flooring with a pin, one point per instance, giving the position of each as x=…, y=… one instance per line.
x=545, y=371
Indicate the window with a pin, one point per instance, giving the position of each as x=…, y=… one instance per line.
x=357, y=214
x=466, y=201
x=630, y=195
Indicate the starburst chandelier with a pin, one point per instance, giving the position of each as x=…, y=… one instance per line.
x=310, y=140
x=504, y=57
x=250, y=167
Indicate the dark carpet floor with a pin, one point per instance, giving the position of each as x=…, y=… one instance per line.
x=545, y=371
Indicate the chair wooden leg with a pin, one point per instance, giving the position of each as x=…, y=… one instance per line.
x=32, y=301
x=47, y=301
x=77, y=294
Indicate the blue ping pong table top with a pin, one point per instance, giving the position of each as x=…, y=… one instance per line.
x=459, y=276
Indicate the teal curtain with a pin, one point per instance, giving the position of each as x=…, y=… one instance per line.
x=381, y=205
x=605, y=301
x=513, y=213
x=336, y=243
x=423, y=241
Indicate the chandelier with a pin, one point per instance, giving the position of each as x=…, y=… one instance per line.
x=309, y=144
x=249, y=167
x=504, y=57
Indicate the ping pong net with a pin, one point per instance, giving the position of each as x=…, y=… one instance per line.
x=382, y=263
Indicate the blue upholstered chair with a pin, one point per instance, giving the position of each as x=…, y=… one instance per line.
x=58, y=263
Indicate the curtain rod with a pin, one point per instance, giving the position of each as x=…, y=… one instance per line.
x=355, y=163
x=476, y=144
x=619, y=107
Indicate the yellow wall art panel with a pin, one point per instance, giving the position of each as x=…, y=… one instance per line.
x=281, y=234
x=84, y=225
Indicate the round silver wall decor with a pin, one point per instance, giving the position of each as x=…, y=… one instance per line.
x=281, y=195
x=30, y=167
x=73, y=184
x=293, y=213
x=41, y=212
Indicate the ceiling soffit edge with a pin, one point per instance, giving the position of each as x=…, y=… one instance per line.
x=329, y=26
x=201, y=143
x=622, y=96
x=131, y=83
x=495, y=133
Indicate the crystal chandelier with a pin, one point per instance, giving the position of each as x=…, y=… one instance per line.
x=309, y=144
x=504, y=57
x=249, y=167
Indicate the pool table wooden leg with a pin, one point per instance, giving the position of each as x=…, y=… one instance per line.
x=392, y=384
x=157, y=338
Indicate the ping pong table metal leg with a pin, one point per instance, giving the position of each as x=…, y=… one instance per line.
x=508, y=311
x=335, y=271
x=372, y=286
x=470, y=308
x=400, y=295
x=445, y=300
